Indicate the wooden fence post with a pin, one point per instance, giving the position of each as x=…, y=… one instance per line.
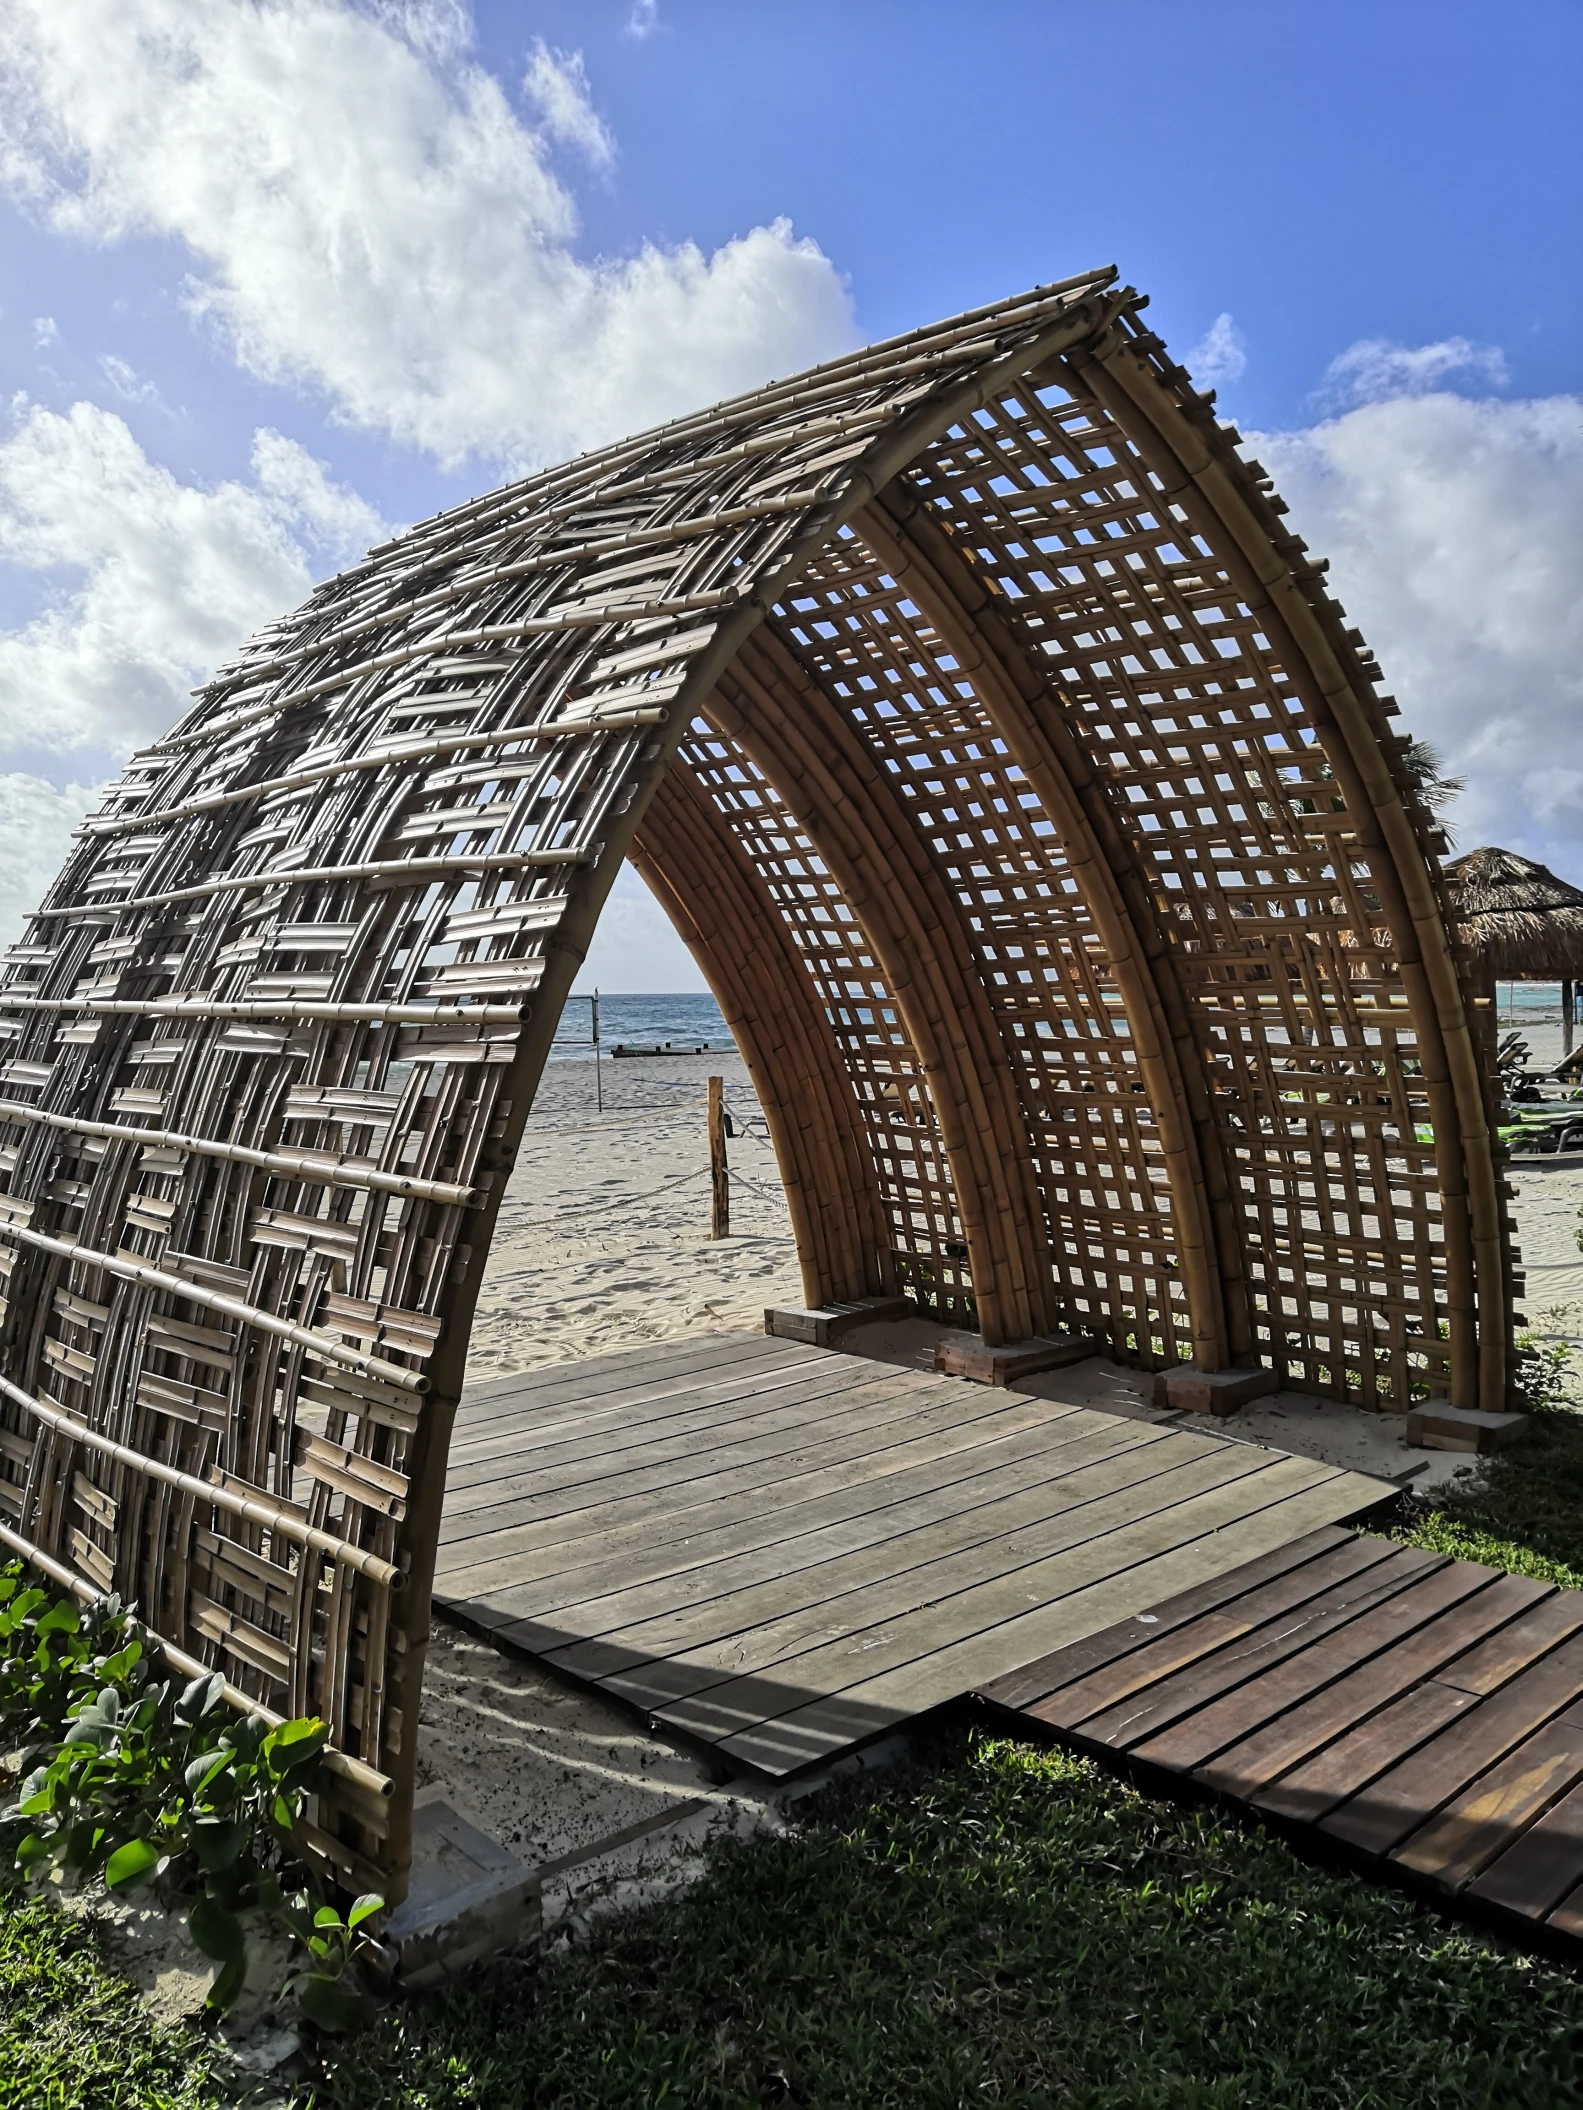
x=719, y=1178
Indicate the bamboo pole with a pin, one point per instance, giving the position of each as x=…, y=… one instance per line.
x=393, y=757
x=717, y=901
x=1027, y=717
x=913, y=927
x=719, y=1176
x=320, y=1168
x=1211, y=483
x=128, y=1269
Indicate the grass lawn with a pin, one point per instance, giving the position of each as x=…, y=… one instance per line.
x=996, y=1924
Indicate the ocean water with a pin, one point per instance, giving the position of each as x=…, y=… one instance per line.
x=1528, y=1003
x=687, y=1020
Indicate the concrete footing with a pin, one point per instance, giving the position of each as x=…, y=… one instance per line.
x=824, y=1327
x=1437, y=1427
x=968, y=1355
x=467, y=1898
x=1188, y=1390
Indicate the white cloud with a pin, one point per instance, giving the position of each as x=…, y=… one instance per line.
x=45, y=331
x=1220, y=354
x=643, y=20
x=36, y=822
x=1455, y=530
x=556, y=84
x=635, y=949
x=1374, y=369
x=368, y=216
x=154, y=580
x=128, y=384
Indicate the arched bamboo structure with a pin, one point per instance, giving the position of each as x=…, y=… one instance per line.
x=1030, y=808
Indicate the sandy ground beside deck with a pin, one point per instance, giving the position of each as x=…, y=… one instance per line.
x=604, y=1232
x=603, y=1240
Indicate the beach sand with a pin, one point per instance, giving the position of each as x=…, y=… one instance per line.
x=603, y=1240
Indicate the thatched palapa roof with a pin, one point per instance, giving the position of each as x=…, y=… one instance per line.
x=1523, y=922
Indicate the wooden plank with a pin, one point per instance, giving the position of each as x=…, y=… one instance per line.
x=1332, y=1645
x=634, y=1401
x=714, y=1415
x=1112, y=1537
x=1249, y=1765
x=890, y=1563
x=1158, y=1661
x=1542, y=1867
x=678, y=1498
x=1048, y=1674
x=1479, y=1823
x=885, y=1460
x=586, y=1379
x=950, y=1595
x=1351, y=1761
x=823, y=1724
x=598, y=1477
x=796, y=1535
x=1495, y=1661
x=1395, y=1804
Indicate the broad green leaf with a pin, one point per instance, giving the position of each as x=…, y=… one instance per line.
x=329, y=2004
x=131, y=1863
x=217, y=1933
x=59, y=1619
x=201, y=1697
x=365, y=1908
x=229, y=1980
x=32, y=1850
x=217, y=1845
x=204, y=1769
x=327, y=1916
x=294, y=1743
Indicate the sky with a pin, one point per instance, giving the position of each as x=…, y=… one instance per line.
x=278, y=276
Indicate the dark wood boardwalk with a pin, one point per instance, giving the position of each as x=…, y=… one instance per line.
x=782, y=1551
x=1420, y=1711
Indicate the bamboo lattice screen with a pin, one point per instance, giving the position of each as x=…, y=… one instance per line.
x=1036, y=818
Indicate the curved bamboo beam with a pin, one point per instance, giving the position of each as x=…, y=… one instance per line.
x=719, y=905
x=782, y=719
x=1015, y=693
x=1218, y=494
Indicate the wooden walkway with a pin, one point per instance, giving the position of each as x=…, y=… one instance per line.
x=782, y=1552
x=1420, y=1712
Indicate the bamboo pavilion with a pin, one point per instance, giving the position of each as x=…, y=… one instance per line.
x=1037, y=818
x=1520, y=923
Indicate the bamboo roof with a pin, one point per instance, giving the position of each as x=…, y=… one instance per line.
x=1522, y=922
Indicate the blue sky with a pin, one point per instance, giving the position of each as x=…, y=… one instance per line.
x=278, y=273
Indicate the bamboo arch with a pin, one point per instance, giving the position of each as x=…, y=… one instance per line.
x=1035, y=817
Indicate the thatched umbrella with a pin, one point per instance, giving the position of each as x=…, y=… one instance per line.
x=1522, y=923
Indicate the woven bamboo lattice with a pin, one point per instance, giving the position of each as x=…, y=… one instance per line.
x=1035, y=817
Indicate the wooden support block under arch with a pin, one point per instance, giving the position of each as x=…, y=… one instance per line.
x=823, y=1327
x=969, y=1355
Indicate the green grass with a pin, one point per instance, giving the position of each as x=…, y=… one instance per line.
x=1526, y=1512
x=1002, y=1926
x=72, y=2036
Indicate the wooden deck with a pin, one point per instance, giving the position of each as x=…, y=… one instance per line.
x=1420, y=1712
x=782, y=1551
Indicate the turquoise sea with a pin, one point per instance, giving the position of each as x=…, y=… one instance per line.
x=688, y=1020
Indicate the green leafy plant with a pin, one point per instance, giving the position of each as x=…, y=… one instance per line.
x=127, y=1782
